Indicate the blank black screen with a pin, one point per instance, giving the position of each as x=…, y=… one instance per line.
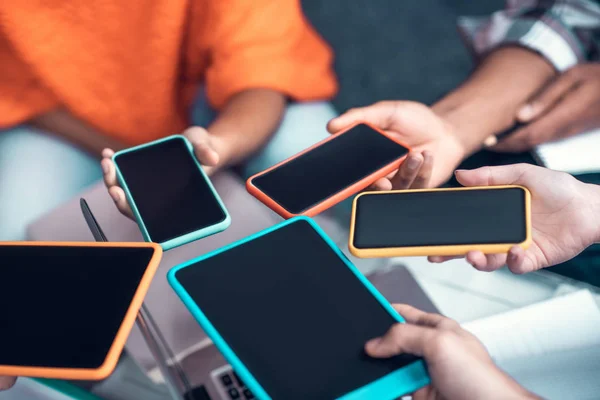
x=294, y=314
x=62, y=306
x=170, y=193
x=328, y=169
x=440, y=218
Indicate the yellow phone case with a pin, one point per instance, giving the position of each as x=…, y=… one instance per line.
x=445, y=250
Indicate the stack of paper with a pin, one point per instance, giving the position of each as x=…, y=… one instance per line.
x=552, y=348
x=579, y=154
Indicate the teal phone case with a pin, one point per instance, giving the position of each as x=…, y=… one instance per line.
x=189, y=237
x=391, y=386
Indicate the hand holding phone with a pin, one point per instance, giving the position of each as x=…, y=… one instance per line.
x=440, y=221
x=171, y=198
x=565, y=217
x=204, y=150
x=328, y=172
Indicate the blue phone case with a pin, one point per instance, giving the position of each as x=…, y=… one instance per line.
x=189, y=237
x=392, y=386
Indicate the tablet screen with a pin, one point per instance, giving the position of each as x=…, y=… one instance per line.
x=311, y=178
x=170, y=193
x=294, y=313
x=446, y=217
x=63, y=306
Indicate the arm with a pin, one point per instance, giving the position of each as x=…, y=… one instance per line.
x=246, y=123
x=497, y=88
x=64, y=125
x=559, y=33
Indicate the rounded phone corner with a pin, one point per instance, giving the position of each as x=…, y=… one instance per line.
x=105, y=370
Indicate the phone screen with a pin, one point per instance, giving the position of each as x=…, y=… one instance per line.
x=294, y=313
x=314, y=176
x=438, y=218
x=65, y=304
x=171, y=194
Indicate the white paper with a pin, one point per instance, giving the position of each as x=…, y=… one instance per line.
x=563, y=323
x=576, y=155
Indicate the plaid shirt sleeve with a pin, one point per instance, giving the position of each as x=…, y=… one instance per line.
x=566, y=32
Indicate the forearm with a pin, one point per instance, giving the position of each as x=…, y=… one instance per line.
x=488, y=101
x=63, y=124
x=246, y=123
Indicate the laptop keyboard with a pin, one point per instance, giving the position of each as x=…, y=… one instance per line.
x=231, y=387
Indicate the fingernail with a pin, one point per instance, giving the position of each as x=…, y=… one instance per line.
x=115, y=197
x=526, y=112
x=512, y=255
x=458, y=171
x=373, y=343
x=413, y=163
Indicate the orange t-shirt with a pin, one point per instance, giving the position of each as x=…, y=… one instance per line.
x=132, y=68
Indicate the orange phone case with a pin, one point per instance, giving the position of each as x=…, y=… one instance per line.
x=118, y=344
x=337, y=197
x=445, y=250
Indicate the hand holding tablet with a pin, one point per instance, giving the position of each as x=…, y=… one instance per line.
x=309, y=312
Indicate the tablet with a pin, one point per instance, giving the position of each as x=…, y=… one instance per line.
x=430, y=222
x=292, y=315
x=172, y=199
x=68, y=308
x=328, y=172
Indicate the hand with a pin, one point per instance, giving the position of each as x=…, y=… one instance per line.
x=204, y=148
x=436, y=151
x=565, y=216
x=458, y=364
x=6, y=382
x=569, y=105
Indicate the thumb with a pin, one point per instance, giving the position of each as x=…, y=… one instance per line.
x=492, y=176
x=400, y=338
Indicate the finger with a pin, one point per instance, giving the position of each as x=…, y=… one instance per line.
x=6, y=382
x=118, y=196
x=544, y=100
x=379, y=114
x=400, y=338
x=557, y=123
x=424, y=174
x=516, y=261
x=486, y=263
x=442, y=259
x=382, y=184
x=407, y=172
x=492, y=176
x=424, y=393
x=415, y=316
x=108, y=153
x=203, y=146
x=109, y=172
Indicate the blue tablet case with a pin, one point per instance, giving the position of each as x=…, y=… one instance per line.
x=391, y=386
x=187, y=238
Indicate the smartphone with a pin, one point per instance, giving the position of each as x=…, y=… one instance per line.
x=292, y=314
x=328, y=172
x=434, y=222
x=69, y=307
x=172, y=199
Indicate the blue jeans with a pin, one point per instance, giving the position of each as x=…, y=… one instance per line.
x=38, y=171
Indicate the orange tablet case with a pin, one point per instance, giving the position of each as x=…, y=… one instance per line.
x=445, y=250
x=337, y=197
x=118, y=344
